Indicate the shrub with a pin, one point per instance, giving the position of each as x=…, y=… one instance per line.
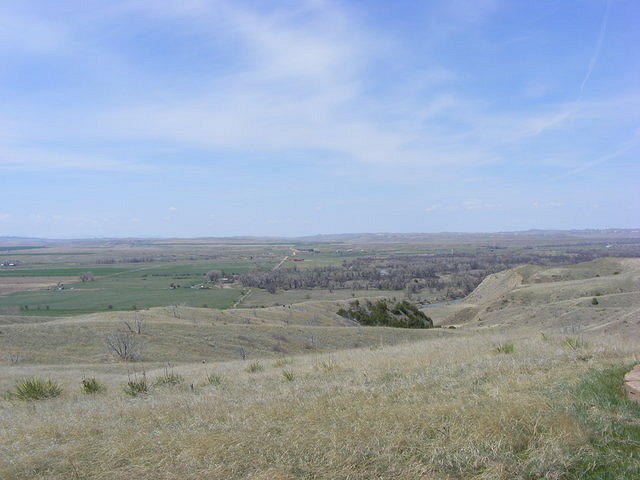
x=504, y=348
x=594, y=301
x=255, y=367
x=214, y=379
x=169, y=377
x=37, y=389
x=574, y=343
x=92, y=386
x=288, y=375
x=327, y=365
x=402, y=314
x=137, y=386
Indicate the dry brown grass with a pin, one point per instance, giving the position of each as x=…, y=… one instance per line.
x=436, y=404
x=440, y=409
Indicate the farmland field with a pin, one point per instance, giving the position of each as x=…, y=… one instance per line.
x=127, y=287
x=134, y=274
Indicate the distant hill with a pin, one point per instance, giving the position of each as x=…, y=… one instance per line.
x=602, y=295
x=442, y=237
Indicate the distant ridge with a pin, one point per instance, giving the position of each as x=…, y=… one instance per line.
x=380, y=237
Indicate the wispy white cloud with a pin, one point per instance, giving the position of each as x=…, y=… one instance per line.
x=622, y=149
x=299, y=81
x=596, y=53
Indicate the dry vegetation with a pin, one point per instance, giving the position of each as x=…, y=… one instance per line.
x=413, y=411
x=511, y=393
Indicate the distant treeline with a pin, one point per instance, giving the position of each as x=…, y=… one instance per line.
x=455, y=274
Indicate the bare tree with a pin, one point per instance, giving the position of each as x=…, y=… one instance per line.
x=214, y=275
x=139, y=325
x=124, y=346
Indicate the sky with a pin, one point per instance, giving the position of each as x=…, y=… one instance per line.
x=228, y=117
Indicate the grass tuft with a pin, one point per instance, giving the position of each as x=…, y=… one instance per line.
x=288, y=376
x=214, y=379
x=137, y=386
x=281, y=362
x=92, y=386
x=255, y=367
x=327, y=365
x=36, y=389
x=505, y=348
x=574, y=343
x=168, y=378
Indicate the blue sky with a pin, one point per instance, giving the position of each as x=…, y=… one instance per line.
x=215, y=117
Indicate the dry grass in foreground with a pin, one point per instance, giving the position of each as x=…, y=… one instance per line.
x=446, y=408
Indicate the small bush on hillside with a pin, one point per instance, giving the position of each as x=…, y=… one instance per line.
x=574, y=343
x=92, y=386
x=214, y=379
x=168, y=378
x=594, y=301
x=402, y=314
x=36, y=389
x=327, y=365
x=505, y=348
x=255, y=367
x=288, y=376
x=137, y=386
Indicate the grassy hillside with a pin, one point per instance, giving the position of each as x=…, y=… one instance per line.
x=555, y=298
x=410, y=411
x=527, y=386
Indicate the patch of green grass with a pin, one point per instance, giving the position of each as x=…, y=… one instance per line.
x=122, y=292
x=288, y=376
x=92, y=386
x=36, y=389
x=62, y=272
x=20, y=247
x=614, y=424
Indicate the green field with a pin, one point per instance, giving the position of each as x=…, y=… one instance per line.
x=20, y=247
x=119, y=292
x=124, y=288
x=62, y=272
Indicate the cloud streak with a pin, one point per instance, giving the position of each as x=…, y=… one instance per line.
x=596, y=53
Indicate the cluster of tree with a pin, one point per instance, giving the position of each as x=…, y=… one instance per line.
x=86, y=277
x=455, y=274
x=402, y=314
